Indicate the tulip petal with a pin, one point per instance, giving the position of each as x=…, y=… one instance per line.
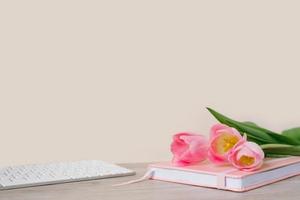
x=247, y=156
x=188, y=148
x=222, y=140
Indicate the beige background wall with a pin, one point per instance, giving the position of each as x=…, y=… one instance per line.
x=113, y=80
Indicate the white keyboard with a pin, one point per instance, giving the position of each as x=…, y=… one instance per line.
x=53, y=173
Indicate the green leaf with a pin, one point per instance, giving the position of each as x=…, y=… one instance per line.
x=281, y=149
x=255, y=139
x=293, y=133
x=250, y=123
x=284, y=139
x=270, y=155
x=243, y=128
x=263, y=135
x=281, y=138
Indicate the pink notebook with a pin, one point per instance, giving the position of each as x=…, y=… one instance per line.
x=226, y=177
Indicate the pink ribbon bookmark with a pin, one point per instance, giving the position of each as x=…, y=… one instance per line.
x=146, y=176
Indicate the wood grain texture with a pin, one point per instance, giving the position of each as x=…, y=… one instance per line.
x=103, y=190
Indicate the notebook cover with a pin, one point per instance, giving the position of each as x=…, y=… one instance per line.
x=229, y=171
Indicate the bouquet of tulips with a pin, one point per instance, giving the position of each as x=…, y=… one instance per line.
x=244, y=145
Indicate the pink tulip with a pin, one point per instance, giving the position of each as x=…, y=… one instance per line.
x=246, y=156
x=188, y=149
x=222, y=140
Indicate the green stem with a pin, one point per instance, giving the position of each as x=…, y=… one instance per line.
x=281, y=149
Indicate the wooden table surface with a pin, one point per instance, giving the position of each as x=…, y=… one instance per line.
x=103, y=190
